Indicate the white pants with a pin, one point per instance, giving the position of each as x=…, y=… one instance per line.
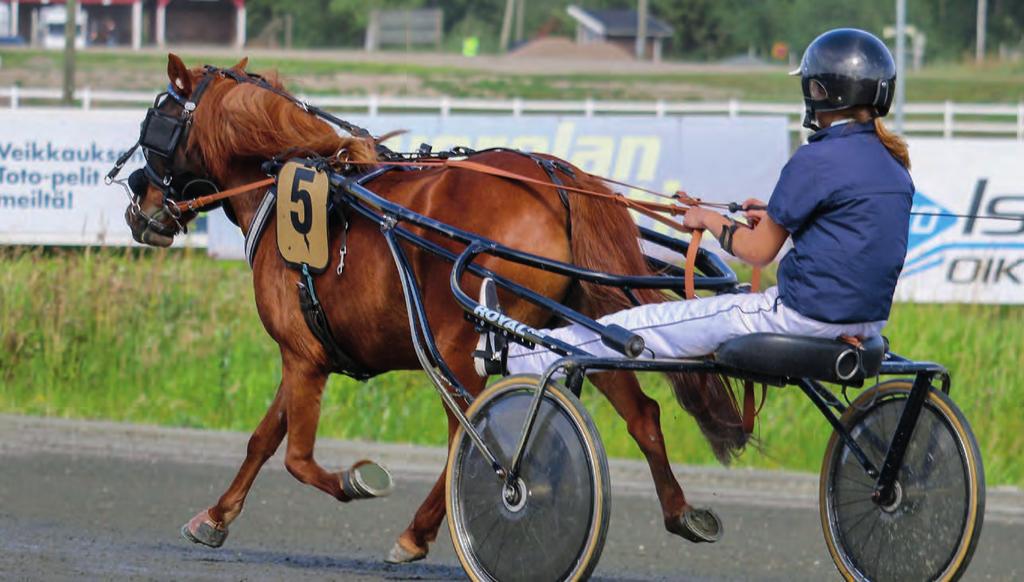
x=680, y=329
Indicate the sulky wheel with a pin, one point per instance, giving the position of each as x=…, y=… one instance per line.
x=930, y=530
x=549, y=525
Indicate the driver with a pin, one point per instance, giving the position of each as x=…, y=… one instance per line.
x=844, y=199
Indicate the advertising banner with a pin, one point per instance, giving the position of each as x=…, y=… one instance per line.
x=52, y=165
x=963, y=259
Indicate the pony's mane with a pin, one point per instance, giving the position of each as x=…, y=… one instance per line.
x=244, y=121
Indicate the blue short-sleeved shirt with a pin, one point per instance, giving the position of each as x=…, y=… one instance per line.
x=846, y=202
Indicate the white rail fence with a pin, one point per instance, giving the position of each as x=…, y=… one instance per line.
x=943, y=118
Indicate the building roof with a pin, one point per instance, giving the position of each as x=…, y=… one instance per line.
x=618, y=23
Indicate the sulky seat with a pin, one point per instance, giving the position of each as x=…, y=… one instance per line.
x=775, y=355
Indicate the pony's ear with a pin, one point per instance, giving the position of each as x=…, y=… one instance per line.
x=179, y=76
x=241, y=65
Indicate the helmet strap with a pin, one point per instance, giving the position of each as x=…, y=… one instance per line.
x=810, y=119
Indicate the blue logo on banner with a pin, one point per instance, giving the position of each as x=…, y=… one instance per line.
x=922, y=229
x=925, y=227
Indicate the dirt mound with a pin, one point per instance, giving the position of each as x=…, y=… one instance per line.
x=563, y=48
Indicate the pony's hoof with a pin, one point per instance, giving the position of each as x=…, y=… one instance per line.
x=699, y=525
x=366, y=480
x=400, y=554
x=203, y=530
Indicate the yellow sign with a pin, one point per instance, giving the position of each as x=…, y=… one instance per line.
x=302, y=194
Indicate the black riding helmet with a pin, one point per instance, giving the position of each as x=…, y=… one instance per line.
x=844, y=68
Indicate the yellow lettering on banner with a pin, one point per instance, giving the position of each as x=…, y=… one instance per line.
x=413, y=143
x=649, y=150
x=447, y=142
x=491, y=141
x=531, y=143
x=671, y=186
x=563, y=139
x=594, y=154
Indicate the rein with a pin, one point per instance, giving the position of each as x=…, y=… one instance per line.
x=652, y=210
x=198, y=203
x=649, y=209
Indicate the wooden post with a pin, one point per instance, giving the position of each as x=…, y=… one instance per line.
x=70, y=30
x=520, y=15
x=137, y=25
x=901, y=60
x=161, y=23
x=979, y=49
x=14, y=19
x=506, y=26
x=641, y=29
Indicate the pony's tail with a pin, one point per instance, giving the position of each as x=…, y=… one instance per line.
x=605, y=238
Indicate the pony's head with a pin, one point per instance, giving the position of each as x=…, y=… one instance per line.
x=212, y=129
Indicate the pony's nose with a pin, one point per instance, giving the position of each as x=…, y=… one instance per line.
x=138, y=183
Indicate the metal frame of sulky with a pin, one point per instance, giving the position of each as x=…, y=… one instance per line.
x=715, y=276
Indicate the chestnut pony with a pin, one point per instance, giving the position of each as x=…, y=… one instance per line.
x=238, y=125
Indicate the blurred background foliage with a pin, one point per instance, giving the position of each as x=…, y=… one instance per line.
x=704, y=29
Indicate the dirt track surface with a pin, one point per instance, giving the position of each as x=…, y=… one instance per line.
x=105, y=501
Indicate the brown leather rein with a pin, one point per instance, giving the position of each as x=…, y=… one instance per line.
x=652, y=210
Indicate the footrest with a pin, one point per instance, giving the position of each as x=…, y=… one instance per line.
x=788, y=356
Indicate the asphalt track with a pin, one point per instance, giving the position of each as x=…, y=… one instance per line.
x=87, y=500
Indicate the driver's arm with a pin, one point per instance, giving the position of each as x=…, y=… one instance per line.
x=757, y=246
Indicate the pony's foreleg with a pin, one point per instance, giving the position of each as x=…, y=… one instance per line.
x=210, y=526
x=643, y=420
x=305, y=385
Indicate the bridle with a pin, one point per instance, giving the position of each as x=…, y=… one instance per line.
x=160, y=138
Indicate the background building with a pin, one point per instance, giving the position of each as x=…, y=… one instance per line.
x=132, y=22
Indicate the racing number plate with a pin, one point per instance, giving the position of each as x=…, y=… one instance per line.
x=302, y=194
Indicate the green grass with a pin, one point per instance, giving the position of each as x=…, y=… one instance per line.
x=172, y=338
x=1000, y=82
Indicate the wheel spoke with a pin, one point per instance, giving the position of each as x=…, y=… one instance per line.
x=926, y=525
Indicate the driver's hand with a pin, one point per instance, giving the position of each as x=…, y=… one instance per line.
x=754, y=215
x=694, y=219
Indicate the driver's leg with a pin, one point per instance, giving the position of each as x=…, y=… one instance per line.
x=674, y=329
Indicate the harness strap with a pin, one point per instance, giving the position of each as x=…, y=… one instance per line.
x=551, y=171
x=258, y=226
x=749, y=412
x=691, y=264
x=316, y=319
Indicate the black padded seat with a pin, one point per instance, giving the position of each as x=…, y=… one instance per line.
x=787, y=356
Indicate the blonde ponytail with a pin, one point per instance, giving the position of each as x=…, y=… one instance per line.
x=892, y=142
x=896, y=145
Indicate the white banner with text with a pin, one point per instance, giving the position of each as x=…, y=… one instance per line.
x=52, y=164
x=977, y=257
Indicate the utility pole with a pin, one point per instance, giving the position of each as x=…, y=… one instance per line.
x=901, y=61
x=506, y=26
x=641, y=29
x=70, y=30
x=520, y=16
x=979, y=49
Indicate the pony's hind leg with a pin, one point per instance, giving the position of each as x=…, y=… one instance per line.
x=414, y=543
x=210, y=526
x=643, y=420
